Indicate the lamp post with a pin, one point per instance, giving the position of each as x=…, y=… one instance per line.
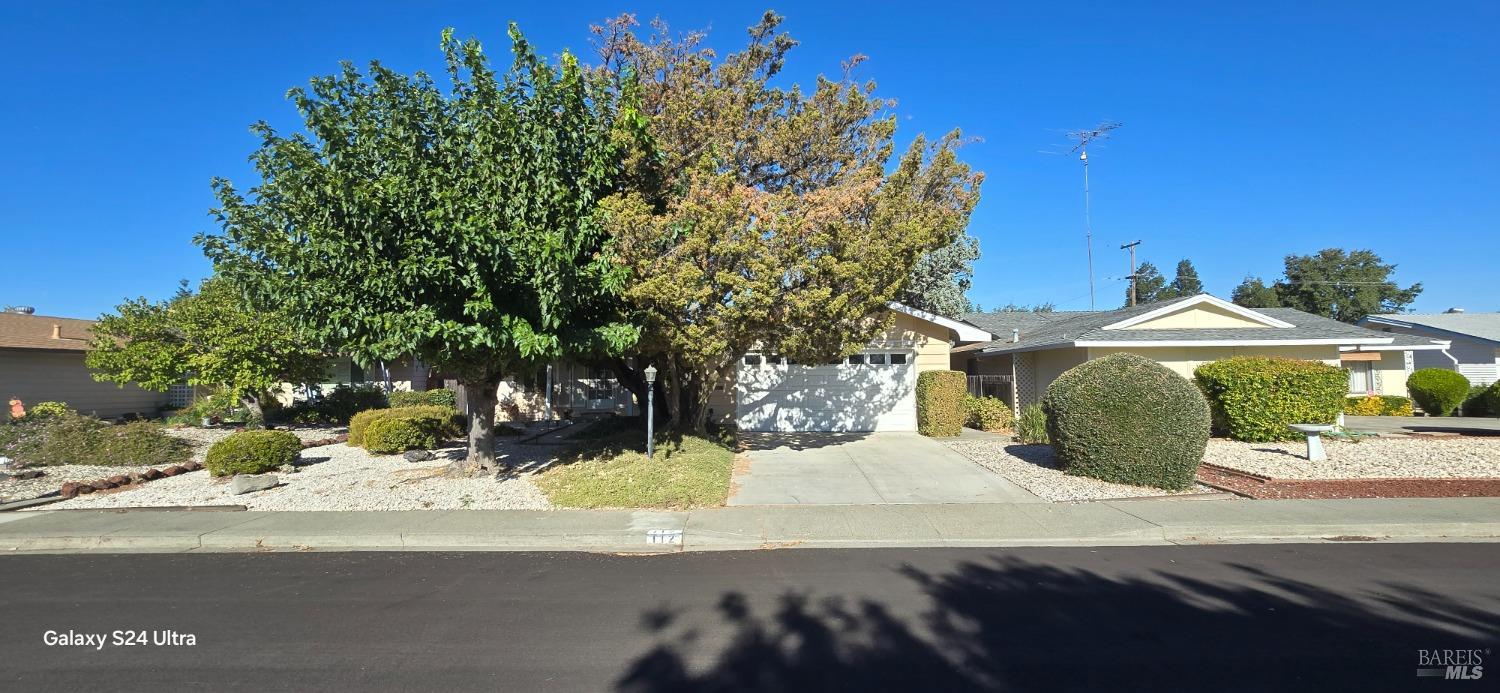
x=650, y=406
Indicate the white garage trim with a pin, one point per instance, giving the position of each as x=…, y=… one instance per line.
x=864, y=393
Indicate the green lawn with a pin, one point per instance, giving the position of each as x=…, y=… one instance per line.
x=613, y=472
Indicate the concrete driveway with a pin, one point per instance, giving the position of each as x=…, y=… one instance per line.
x=1462, y=425
x=862, y=468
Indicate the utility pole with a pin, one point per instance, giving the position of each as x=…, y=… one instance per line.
x=1131, y=246
x=1084, y=137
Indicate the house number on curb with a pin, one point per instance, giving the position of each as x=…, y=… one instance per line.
x=663, y=536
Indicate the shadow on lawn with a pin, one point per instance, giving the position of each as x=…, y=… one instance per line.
x=1008, y=624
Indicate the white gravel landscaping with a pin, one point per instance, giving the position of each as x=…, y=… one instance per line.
x=1414, y=457
x=339, y=477
x=1033, y=468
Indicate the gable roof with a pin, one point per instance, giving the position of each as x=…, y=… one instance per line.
x=963, y=331
x=1481, y=326
x=19, y=331
x=1103, y=329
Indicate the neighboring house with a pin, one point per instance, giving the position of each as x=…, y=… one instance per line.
x=1031, y=349
x=873, y=390
x=41, y=360
x=1475, y=337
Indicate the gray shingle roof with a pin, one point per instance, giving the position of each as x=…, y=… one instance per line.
x=1481, y=325
x=1066, y=328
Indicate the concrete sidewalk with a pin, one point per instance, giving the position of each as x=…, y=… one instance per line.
x=741, y=528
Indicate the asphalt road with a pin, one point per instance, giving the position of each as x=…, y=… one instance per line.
x=1279, y=617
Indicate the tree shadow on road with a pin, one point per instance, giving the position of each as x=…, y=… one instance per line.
x=1009, y=624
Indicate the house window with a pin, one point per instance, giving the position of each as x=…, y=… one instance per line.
x=898, y=359
x=752, y=360
x=876, y=359
x=857, y=359
x=601, y=385
x=1361, y=378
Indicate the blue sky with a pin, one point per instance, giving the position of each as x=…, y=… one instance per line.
x=1252, y=130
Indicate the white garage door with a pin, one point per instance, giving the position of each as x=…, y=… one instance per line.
x=871, y=392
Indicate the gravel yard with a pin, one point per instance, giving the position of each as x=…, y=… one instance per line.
x=1371, y=458
x=1033, y=468
x=339, y=477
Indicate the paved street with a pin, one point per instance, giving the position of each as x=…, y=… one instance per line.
x=1271, y=617
x=861, y=468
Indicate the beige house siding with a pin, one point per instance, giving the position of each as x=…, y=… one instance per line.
x=1200, y=316
x=1391, y=373
x=60, y=376
x=928, y=341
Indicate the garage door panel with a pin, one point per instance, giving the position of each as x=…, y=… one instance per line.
x=845, y=397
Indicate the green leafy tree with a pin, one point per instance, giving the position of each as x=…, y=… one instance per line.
x=455, y=225
x=214, y=338
x=1186, y=281
x=1253, y=293
x=765, y=217
x=1343, y=285
x=1149, y=285
x=940, y=281
x=1047, y=307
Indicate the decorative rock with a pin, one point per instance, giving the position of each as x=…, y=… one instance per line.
x=85, y=488
x=245, y=483
x=151, y=474
x=192, y=466
x=69, y=489
x=287, y=469
x=417, y=455
x=103, y=484
x=29, y=474
x=173, y=470
x=119, y=480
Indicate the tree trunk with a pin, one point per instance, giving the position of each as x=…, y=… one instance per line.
x=482, y=398
x=257, y=417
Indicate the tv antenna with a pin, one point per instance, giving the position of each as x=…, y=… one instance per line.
x=1085, y=138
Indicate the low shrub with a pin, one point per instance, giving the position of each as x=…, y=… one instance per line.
x=1031, y=426
x=395, y=434
x=1476, y=403
x=1395, y=405
x=449, y=423
x=940, y=403
x=70, y=438
x=1127, y=419
x=1492, y=398
x=252, y=452
x=988, y=413
x=435, y=398
x=1256, y=398
x=340, y=405
x=1438, y=391
x=1369, y=405
x=45, y=410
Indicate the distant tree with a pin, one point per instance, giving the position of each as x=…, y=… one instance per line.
x=1186, y=283
x=1253, y=293
x=1149, y=284
x=942, y=277
x=1047, y=307
x=455, y=224
x=214, y=338
x=1343, y=285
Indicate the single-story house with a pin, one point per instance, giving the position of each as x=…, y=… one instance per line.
x=41, y=360
x=1031, y=349
x=873, y=390
x=1474, y=337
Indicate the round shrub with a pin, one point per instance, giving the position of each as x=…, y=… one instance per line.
x=940, y=403
x=1255, y=398
x=988, y=413
x=451, y=423
x=395, y=434
x=252, y=452
x=1127, y=419
x=1438, y=391
x=1476, y=404
x=1492, y=398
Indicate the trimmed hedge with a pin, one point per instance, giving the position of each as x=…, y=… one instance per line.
x=448, y=422
x=1438, y=391
x=988, y=413
x=252, y=452
x=1492, y=399
x=1477, y=403
x=1377, y=405
x=434, y=398
x=1255, y=398
x=395, y=434
x=940, y=403
x=1127, y=419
